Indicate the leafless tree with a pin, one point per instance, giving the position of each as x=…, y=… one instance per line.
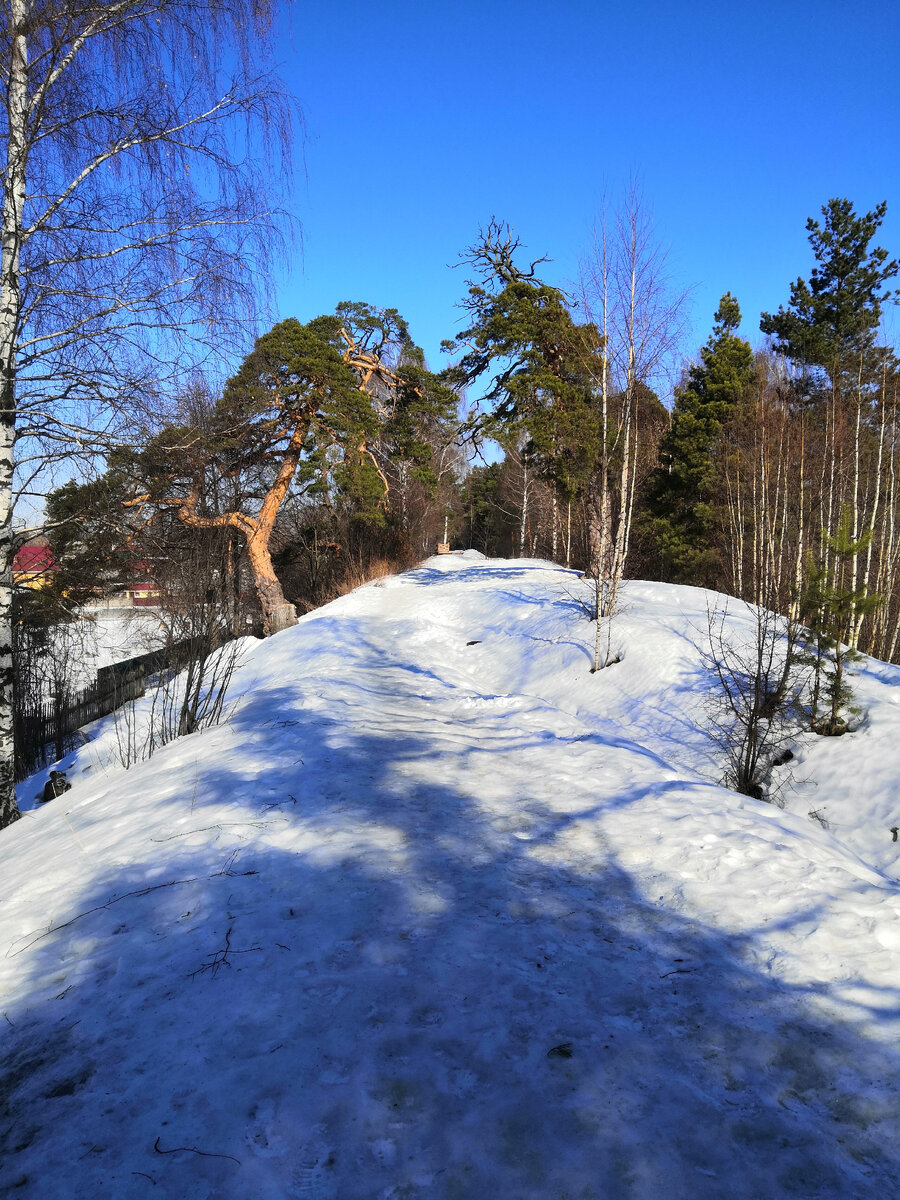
x=627, y=296
x=138, y=143
x=197, y=612
x=755, y=698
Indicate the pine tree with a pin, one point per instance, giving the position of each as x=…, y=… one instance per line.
x=831, y=611
x=536, y=363
x=308, y=406
x=681, y=504
x=832, y=320
x=829, y=329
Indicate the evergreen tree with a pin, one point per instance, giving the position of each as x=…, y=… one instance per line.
x=830, y=611
x=832, y=321
x=521, y=338
x=681, y=506
x=307, y=409
x=488, y=525
x=537, y=365
x=829, y=329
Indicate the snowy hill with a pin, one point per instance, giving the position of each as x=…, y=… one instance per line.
x=438, y=913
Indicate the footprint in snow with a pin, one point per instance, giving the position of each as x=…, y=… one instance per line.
x=261, y=1136
x=313, y=1178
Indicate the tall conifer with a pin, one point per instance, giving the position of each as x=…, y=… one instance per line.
x=832, y=321
x=681, y=505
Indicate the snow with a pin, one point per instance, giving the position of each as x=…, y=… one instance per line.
x=100, y=637
x=120, y=633
x=438, y=913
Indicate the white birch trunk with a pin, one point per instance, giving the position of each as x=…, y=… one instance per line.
x=801, y=520
x=886, y=564
x=871, y=519
x=600, y=533
x=10, y=308
x=854, y=562
x=524, y=521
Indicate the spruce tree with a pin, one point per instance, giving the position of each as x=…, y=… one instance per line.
x=681, y=520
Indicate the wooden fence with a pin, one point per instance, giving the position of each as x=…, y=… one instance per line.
x=45, y=732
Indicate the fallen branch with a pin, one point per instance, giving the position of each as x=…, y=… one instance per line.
x=220, y=825
x=229, y=863
x=220, y=957
x=157, y=887
x=192, y=1150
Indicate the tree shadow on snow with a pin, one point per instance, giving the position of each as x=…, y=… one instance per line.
x=427, y=576
x=359, y=982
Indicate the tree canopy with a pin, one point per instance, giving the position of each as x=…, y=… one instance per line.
x=831, y=320
x=681, y=517
x=311, y=407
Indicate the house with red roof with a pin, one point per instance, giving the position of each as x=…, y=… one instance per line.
x=33, y=566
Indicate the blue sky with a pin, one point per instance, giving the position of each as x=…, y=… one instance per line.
x=424, y=119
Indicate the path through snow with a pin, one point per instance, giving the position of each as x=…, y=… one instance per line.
x=440, y=919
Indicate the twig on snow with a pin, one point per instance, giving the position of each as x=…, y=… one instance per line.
x=220, y=957
x=97, y=907
x=191, y=1150
x=220, y=825
x=229, y=863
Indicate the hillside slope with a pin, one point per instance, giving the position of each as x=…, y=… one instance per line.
x=438, y=913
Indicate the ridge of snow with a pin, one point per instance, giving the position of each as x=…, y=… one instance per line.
x=437, y=912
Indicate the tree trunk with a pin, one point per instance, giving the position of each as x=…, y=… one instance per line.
x=9, y=811
x=10, y=308
x=524, y=518
x=599, y=514
x=872, y=515
x=277, y=613
x=801, y=526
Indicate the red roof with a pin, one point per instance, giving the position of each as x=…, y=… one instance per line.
x=32, y=560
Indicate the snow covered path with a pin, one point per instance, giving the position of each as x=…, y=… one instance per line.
x=438, y=919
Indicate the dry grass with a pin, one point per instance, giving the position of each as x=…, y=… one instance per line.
x=357, y=574
x=354, y=574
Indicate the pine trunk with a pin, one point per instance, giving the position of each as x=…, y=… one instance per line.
x=277, y=613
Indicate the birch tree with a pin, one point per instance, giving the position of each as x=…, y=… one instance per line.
x=137, y=138
x=626, y=295
x=830, y=329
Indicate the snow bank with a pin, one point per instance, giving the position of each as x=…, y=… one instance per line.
x=439, y=913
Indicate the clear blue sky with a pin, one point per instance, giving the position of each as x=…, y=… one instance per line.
x=424, y=119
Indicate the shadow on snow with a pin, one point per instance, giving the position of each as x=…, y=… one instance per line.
x=445, y=1015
